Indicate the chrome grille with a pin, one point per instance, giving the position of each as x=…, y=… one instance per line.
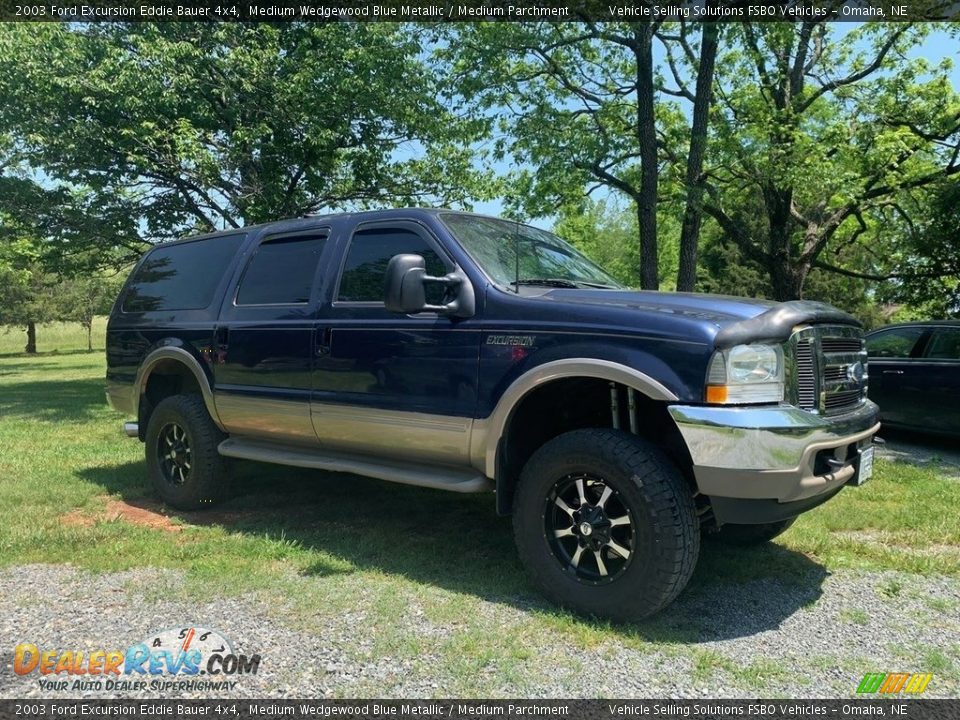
x=841, y=399
x=806, y=380
x=829, y=369
x=841, y=344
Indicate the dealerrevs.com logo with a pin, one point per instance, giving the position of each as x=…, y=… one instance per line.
x=173, y=659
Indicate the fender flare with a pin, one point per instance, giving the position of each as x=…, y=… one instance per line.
x=170, y=352
x=486, y=450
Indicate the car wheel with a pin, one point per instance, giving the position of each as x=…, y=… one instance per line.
x=606, y=524
x=741, y=535
x=185, y=468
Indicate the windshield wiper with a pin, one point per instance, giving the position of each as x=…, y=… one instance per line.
x=563, y=283
x=548, y=282
x=599, y=286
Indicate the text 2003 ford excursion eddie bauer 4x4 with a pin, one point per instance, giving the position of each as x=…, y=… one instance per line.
x=467, y=353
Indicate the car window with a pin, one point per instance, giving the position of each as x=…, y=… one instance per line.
x=893, y=343
x=944, y=344
x=281, y=272
x=364, y=271
x=183, y=276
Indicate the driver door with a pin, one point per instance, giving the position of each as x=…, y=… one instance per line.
x=386, y=383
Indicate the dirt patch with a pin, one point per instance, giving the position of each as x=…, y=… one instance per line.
x=78, y=519
x=136, y=512
x=147, y=513
x=141, y=512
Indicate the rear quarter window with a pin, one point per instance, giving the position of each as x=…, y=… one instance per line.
x=893, y=343
x=183, y=276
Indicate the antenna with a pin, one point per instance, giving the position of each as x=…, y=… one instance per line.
x=516, y=254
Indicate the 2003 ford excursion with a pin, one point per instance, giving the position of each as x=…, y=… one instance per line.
x=472, y=354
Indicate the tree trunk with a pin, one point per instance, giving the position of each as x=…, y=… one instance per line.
x=693, y=214
x=647, y=137
x=89, y=328
x=787, y=278
x=31, y=347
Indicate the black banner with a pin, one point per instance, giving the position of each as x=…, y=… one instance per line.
x=913, y=709
x=478, y=10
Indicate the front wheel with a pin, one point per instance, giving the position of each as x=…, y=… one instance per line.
x=606, y=524
x=181, y=442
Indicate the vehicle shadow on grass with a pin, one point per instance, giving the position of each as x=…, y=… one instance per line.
x=457, y=542
x=52, y=400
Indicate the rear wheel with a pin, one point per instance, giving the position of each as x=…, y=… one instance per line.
x=751, y=534
x=185, y=468
x=606, y=524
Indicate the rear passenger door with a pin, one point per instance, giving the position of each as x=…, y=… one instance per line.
x=893, y=357
x=938, y=399
x=387, y=383
x=264, y=339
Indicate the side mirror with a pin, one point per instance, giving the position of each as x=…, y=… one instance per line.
x=405, y=290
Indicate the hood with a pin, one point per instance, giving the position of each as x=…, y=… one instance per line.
x=717, y=309
x=733, y=320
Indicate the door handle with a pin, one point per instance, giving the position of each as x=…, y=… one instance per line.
x=324, y=337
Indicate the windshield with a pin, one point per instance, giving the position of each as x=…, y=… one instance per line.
x=544, y=259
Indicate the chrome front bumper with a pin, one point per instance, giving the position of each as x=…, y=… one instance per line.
x=778, y=453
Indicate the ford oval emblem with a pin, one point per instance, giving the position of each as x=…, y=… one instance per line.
x=855, y=372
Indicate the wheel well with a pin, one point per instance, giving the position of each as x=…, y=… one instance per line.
x=576, y=403
x=166, y=378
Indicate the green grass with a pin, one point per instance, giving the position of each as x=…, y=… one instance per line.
x=53, y=337
x=311, y=548
x=857, y=616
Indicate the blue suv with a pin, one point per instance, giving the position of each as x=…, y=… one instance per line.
x=467, y=353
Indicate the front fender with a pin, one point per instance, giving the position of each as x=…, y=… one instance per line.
x=487, y=432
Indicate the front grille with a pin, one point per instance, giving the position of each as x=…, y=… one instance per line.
x=806, y=381
x=841, y=399
x=829, y=369
x=841, y=344
x=834, y=373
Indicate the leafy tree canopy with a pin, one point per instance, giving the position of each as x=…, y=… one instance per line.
x=153, y=130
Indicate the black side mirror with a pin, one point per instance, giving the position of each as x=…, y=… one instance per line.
x=405, y=290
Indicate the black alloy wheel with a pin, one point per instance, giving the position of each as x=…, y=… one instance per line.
x=173, y=453
x=589, y=528
x=185, y=466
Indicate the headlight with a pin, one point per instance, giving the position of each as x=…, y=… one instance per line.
x=746, y=374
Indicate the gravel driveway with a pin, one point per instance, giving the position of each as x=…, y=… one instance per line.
x=809, y=640
x=922, y=450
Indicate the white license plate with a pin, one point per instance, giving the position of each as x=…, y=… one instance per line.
x=866, y=465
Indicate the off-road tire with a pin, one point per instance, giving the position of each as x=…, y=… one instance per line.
x=205, y=483
x=746, y=535
x=665, y=529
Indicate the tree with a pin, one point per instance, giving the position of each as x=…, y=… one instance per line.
x=577, y=109
x=174, y=127
x=923, y=269
x=704, y=59
x=26, y=299
x=817, y=136
x=82, y=298
x=582, y=108
x=606, y=232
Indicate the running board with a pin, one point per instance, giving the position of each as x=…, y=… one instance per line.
x=407, y=473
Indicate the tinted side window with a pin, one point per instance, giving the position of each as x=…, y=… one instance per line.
x=944, y=344
x=181, y=277
x=366, y=264
x=896, y=343
x=281, y=272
